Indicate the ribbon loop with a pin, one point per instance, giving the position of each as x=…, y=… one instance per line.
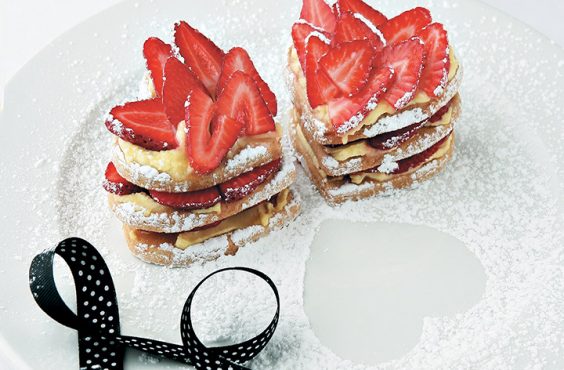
x=101, y=346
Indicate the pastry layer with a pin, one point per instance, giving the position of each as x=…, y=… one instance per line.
x=248, y=226
x=140, y=211
x=359, y=155
x=170, y=170
x=337, y=190
x=383, y=119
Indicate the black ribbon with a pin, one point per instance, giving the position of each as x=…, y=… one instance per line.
x=100, y=343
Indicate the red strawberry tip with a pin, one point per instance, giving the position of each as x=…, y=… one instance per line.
x=116, y=184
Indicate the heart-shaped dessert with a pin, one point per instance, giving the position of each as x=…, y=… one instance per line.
x=201, y=159
x=365, y=89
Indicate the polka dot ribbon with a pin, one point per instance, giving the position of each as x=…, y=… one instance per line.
x=100, y=343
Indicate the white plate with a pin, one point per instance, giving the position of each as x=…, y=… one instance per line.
x=495, y=302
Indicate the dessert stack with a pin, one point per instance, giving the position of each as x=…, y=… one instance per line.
x=375, y=98
x=197, y=168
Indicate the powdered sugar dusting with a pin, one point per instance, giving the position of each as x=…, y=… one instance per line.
x=247, y=154
x=501, y=196
x=388, y=165
x=441, y=87
x=141, y=171
x=319, y=35
x=425, y=141
x=146, y=87
x=396, y=122
x=372, y=27
x=137, y=215
x=215, y=247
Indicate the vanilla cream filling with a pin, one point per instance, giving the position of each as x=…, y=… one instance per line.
x=142, y=202
x=257, y=215
x=322, y=113
x=381, y=176
x=175, y=162
x=446, y=119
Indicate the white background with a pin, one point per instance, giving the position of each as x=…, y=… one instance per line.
x=26, y=26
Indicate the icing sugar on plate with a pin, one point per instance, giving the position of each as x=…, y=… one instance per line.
x=500, y=196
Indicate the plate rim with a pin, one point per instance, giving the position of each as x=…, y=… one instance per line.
x=7, y=352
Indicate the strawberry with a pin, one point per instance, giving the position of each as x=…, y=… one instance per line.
x=335, y=9
x=316, y=49
x=241, y=100
x=116, y=184
x=243, y=185
x=179, y=80
x=156, y=53
x=360, y=7
x=435, y=69
x=208, y=139
x=406, y=59
x=349, y=65
x=143, y=123
x=202, y=56
x=347, y=113
x=440, y=113
x=187, y=201
x=350, y=27
x=318, y=13
x=406, y=164
x=300, y=32
x=320, y=88
x=237, y=59
x=393, y=139
x=405, y=25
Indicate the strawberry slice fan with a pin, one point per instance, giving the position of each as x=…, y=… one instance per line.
x=375, y=98
x=100, y=342
x=197, y=169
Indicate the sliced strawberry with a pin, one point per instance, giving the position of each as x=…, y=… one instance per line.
x=241, y=100
x=208, y=142
x=335, y=9
x=440, y=113
x=320, y=88
x=350, y=27
x=117, y=184
x=405, y=25
x=347, y=113
x=202, y=56
x=360, y=7
x=243, y=185
x=143, y=123
x=416, y=160
x=179, y=81
x=393, y=139
x=435, y=69
x=187, y=201
x=349, y=65
x=237, y=59
x=318, y=13
x=300, y=32
x=406, y=59
x=316, y=49
x=156, y=53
